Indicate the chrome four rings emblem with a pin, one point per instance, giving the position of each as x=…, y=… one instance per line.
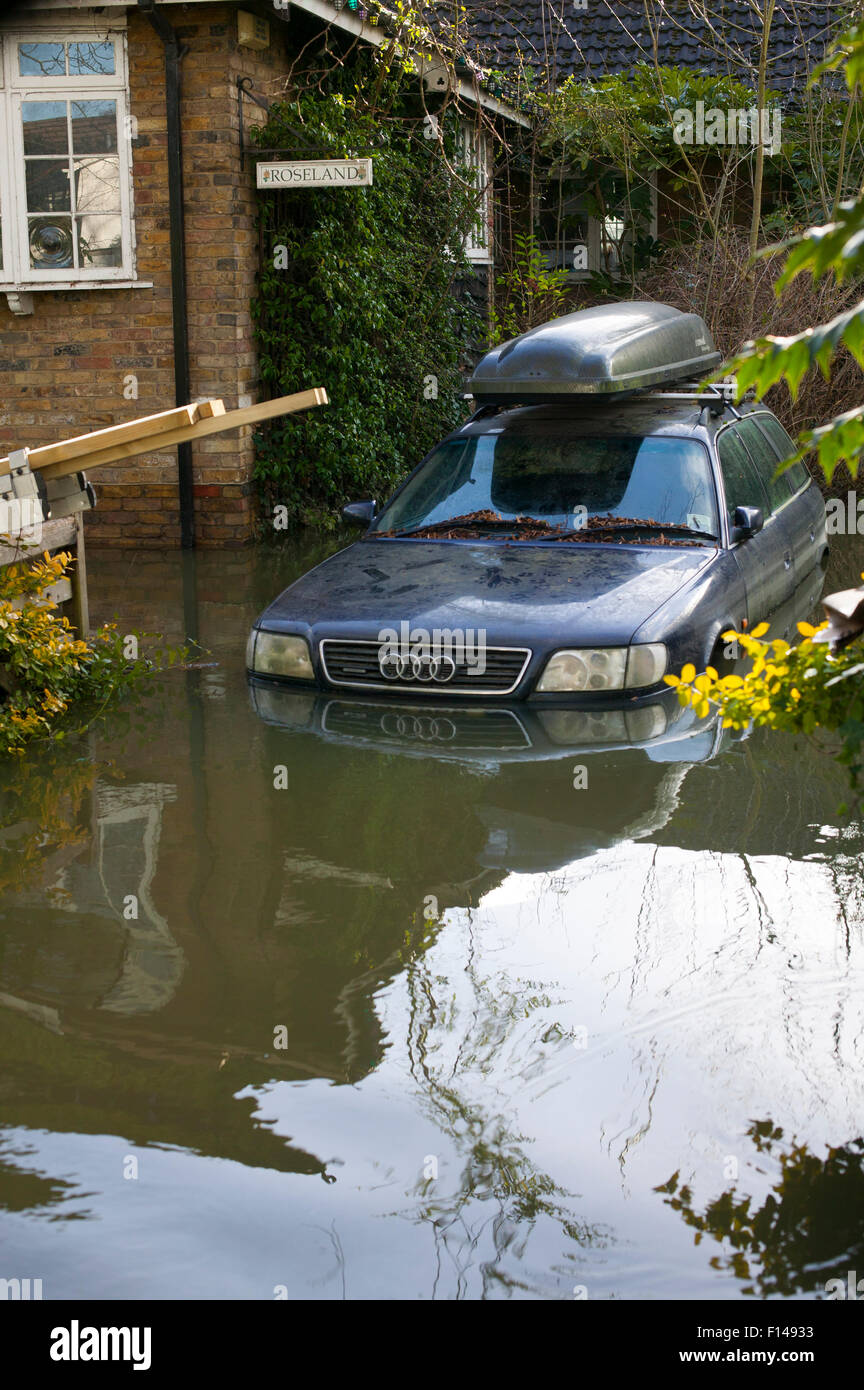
x=416, y=666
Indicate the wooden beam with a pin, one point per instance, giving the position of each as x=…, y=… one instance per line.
x=231, y=420
x=80, y=599
x=53, y=535
x=148, y=427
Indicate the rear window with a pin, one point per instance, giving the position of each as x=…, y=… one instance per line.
x=784, y=446
x=741, y=482
x=765, y=458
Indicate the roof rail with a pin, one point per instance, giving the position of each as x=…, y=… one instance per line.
x=717, y=396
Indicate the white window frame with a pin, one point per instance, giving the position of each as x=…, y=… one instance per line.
x=474, y=150
x=17, y=274
x=594, y=244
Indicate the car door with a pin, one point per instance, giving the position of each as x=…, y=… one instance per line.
x=765, y=560
x=804, y=513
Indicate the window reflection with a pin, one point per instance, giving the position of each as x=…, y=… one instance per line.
x=58, y=60
x=41, y=60
x=91, y=59
x=45, y=127
x=94, y=127
x=99, y=241
x=97, y=185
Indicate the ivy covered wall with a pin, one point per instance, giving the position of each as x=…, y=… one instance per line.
x=365, y=291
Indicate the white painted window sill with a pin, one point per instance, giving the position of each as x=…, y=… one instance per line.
x=19, y=300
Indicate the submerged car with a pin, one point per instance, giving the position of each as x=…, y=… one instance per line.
x=580, y=536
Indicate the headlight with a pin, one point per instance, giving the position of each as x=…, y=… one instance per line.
x=646, y=665
x=600, y=668
x=584, y=725
x=590, y=669
x=275, y=654
x=648, y=722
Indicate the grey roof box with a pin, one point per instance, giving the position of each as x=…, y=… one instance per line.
x=614, y=348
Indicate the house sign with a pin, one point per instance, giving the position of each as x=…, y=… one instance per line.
x=315, y=173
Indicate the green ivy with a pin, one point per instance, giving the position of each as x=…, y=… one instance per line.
x=367, y=297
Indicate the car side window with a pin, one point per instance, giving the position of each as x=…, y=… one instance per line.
x=783, y=447
x=740, y=479
x=779, y=489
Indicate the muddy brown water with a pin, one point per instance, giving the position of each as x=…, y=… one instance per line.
x=332, y=999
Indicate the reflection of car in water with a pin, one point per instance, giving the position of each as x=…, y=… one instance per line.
x=529, y=810
x=565, y=544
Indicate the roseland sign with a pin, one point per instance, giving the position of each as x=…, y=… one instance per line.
x=315, y=173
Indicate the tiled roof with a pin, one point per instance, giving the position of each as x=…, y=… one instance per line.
x=716, y=36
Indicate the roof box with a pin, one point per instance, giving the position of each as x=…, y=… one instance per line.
x=612, y=349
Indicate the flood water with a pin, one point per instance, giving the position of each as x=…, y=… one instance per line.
x=326, y=999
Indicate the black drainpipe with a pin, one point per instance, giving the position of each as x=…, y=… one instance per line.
x=174, y=54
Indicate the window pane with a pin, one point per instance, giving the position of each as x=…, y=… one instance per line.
x=779, y=489
x=50, y=242
x=47, y=185
x=783, y=447
x=97, y=185
x=45, y=129
x=99, y=241
x=94, y=127
x=548, y=471
x=91, y=59
x=41, y=60
x=743, y=488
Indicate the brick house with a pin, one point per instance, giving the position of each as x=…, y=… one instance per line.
x=587, y=40
x=106, y=208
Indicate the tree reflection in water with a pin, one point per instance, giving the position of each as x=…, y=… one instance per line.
x=500, y=1191
x=809, y=1229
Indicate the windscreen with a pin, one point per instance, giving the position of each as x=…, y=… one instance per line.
x=560, y=479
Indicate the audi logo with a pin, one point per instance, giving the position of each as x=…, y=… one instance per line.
x=425, y=727
x=416, y=666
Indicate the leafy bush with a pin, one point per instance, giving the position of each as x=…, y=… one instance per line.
x=800, y=688
x=529, y=293
x=47, y=674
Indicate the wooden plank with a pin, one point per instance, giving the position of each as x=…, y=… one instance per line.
x=80, y=601
x=149, y=427
x=58, y=593
x=232, y=419
x=55, y=535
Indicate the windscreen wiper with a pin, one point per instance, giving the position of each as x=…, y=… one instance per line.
x=629, y=523
x=484, y=520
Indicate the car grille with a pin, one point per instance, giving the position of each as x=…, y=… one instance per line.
x=355, y=664
x=417, y=725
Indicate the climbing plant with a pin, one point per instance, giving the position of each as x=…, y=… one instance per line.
x=365, y=291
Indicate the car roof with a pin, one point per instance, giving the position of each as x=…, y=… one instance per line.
x=638, y=415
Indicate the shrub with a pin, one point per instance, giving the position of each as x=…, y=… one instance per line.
x=48, y=675
x=358, y=293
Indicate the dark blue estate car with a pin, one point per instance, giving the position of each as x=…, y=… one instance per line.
x=573, y=540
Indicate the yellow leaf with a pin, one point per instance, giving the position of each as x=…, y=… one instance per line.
x=688, y=672
x=760, y=630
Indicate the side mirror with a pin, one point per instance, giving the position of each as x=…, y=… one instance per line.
x=747, y=522
x=360, y=513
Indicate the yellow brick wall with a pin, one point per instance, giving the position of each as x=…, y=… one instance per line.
x=62, y=368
